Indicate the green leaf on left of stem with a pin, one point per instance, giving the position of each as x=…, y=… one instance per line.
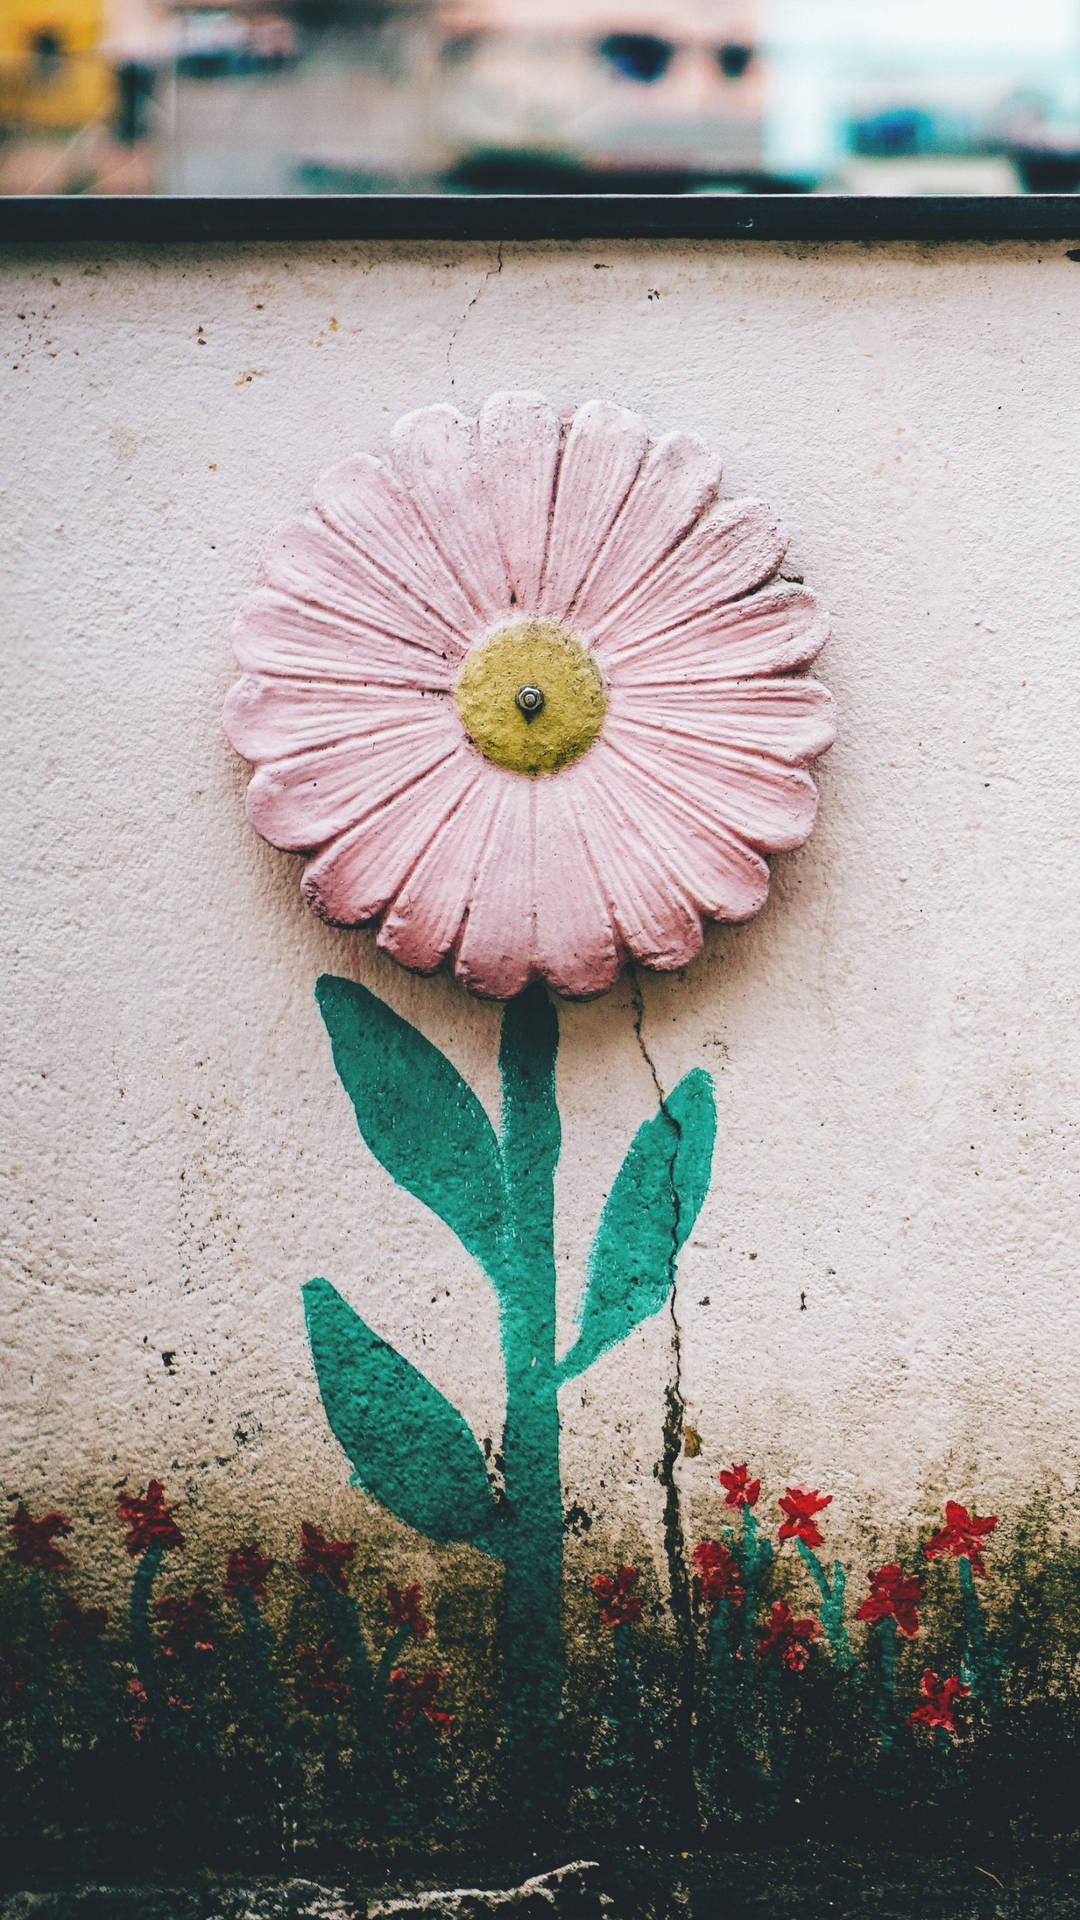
x=409, y=1446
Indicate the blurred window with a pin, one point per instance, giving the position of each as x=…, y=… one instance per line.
x=637, y=56
x=733, y=59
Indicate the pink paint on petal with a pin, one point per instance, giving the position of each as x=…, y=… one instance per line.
x=775, y=630
x=676, y=482
x=604, y=449
x=348, y=706
x=495, y=952
x=357, y=875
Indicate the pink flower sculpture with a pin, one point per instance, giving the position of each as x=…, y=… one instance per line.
x=527, y=692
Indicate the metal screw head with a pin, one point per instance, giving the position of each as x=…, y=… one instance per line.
x=530, y=701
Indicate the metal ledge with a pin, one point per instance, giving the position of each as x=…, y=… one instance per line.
x=814, y=219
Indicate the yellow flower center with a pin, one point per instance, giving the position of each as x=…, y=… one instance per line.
x=531, y=697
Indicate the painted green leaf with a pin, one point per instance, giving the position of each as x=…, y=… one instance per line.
x=409, y=1447
x=418, y=1116
x=650, y=1211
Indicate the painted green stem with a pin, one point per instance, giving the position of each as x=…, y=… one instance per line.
x=885, y=1698
x=533, y=1539
x=41, y=1708
x=832, y=1604
x=984, y=1671
x=142, y=1639
x=268, y=1698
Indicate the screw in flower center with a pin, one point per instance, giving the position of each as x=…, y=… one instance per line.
x=531, y=697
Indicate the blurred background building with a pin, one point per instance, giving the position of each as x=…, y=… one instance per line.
x=170, y=96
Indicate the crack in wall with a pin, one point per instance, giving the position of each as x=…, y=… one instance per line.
x=492, y=273
x=674, y=1430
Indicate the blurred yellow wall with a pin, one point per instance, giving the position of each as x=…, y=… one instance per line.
x=40, y=90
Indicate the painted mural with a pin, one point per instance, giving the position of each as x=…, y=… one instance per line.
x=528, y=695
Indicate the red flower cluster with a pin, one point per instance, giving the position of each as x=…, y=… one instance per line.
x=247, y=1568
x=800, y=1508
x=716, y=1573
x=76, y=1626
x=187, y=1626
x=620, y=1606
x=320, y=1555
x=149, y=1520
x=789, y=1638
x=894, y=1595
x=937, y=1709
x=403, y=1609
x=319, y=1684
x=415, y=1693
x=741, y=1491
x=963, y=1535
x=33, y=1539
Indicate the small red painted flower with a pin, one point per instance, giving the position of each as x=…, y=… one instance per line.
x=320, y=1685
x=247, y=1570
x=740, y=1490
x=964, y=1535
x=320, y=1555
x=893, y=1595
x=415, y=1693
x=716, y=1573
x=800, y=1506
x=148, y=1519
x=187, y=1626
x=403, y=1609
x=937, y=1709
x=620, y=1606
x=76, y=1626
x=32, y=1540
x=788, y=1638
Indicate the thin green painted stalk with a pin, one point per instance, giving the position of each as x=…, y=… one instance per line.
x=832, y=1604
x=533, y=1538
x=102, y=1704
x=142, y=1639
x=984, y=1666
x=391, y=1653
x=42, y=1717
x=885, y=1692
x=627, y=1720
x=269, y=1699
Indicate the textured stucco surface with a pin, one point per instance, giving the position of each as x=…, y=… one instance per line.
x=880, y=1294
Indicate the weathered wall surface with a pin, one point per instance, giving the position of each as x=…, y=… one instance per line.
x=879, y=1296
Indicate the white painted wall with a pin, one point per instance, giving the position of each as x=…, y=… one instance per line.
x=895, y=1041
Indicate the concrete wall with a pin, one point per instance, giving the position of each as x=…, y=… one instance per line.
x=879, y=1295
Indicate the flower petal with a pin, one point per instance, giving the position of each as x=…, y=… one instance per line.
x=352, y=879
x=276, y=633
x=654, y=917
x=771, y=805
x=677, y=481
x=435, y=452
x=494, y=954
x=313, y=563
x=603, y=453
x=733, y=549
x=722, y=875
x=792, y=720
x=423, y=919
x=773, y=631
x=267, y=718
x=520, y=436
x=574, y=944
x=367, y=504
x=307, y=800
